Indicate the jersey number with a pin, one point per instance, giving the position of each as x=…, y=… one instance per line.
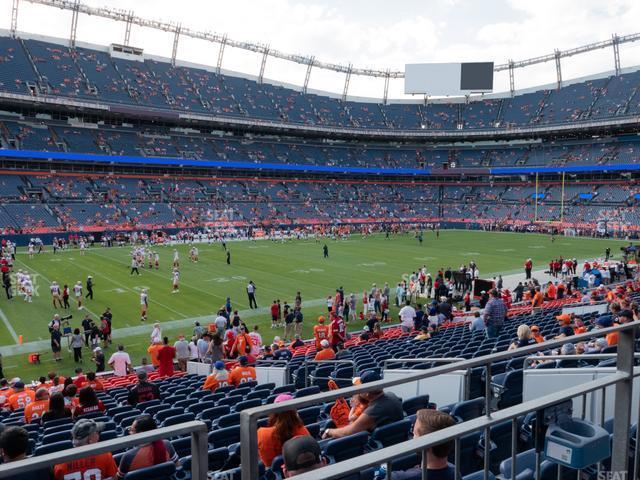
x=91, y=474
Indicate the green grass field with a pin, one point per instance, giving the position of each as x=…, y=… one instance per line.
x=278, y=270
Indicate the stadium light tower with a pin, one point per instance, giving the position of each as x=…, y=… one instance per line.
x=347, y=79
x=307, y=76
x=615, y=43
x=223, y=44
x=127, y=27
x=386, y=87
x=558, y=55
x=263, y=64
x=74, y=25
x=174, y=50
x=14, y=17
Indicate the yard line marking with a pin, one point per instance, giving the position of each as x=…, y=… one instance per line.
x=123, y=333
x=7, y=324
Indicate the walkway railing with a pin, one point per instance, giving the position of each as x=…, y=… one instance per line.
x=622, y=379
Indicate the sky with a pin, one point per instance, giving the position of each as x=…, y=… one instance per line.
x=376, y=34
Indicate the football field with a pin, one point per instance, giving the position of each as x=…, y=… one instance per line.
x=278, y=270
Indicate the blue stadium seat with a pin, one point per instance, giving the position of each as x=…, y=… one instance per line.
x=309, y=414
x=413, y=404
x=228, y=420
x=468, y=409
x=177, y=419
x=256, y=402
x=259, y=394
x=201, y=406
x=53, y=447
x=346, y=448
x=56, y=437
x=264, y=386
x=305, y=392
x=162, y=471
x=224, y=436
x=215, y=412
x=216, y=459
x=162, y=415
x=391, y=434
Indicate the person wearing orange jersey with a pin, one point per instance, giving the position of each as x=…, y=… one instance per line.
x=552, y=291
x=153, y=351
x=326, y=353
x=242, y=344
x=243, y=373
x=103, y=466
x=537, y=300
x=21, y=398
x=320, y=332
x=535, y=334
x=36, y=409
x=94, y=382
x=218, y=378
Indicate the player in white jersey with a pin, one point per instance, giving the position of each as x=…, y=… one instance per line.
x=77, y=291
x=31, y=250
x=150, y=259
x=27, y=287
x=56, y=294
x=144, y=305
x=83, y=246
x=194, y=254
x=176, y=258
x=156, y=256
x=176, y=281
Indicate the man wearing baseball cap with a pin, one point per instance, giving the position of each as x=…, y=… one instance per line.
x=218, y=378
x=242, y=373
x=383, y=408
x=86, y=432
x=301, y=454
x=326, y=353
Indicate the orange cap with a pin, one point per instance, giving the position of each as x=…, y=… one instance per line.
x=564, y=318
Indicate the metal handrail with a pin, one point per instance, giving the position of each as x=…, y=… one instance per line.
x=421, y=444
x=249, y=417
x=587, y=356
x=199, y=450
x=421, y=360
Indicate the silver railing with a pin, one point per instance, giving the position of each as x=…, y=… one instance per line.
x=199, y=450
x=622, y=379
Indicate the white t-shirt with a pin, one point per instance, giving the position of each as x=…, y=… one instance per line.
x=407, y=314
x=120, y=361
x=256, y=341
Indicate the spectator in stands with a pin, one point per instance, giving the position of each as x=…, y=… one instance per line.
x=537, y=300
x=407, y=316
x=143, y=391
x=535, y=334
x=144, y=366
x=94, y=382
x=301, y=455
x=218, y=378
x=282, y=426
x=477, y=323
x=524, y=338
x=297, y=342
x=87, y=432
x=148, y=455
x=98, y=359
x=495, y=314
x=383, y=408
x=20, y=397
x=438, y=466
x=242, y=373
x=57, y=409
x=182, y=353
x=326, y=353
x=364, y=335
x=120, y=362
x=70, y=399
x=88, y=402
x=281, y=353
x=40, y=405
x=166, y=354
x=215, y=349
x=14, y=443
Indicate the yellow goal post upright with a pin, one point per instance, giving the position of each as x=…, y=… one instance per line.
x=559, y=222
